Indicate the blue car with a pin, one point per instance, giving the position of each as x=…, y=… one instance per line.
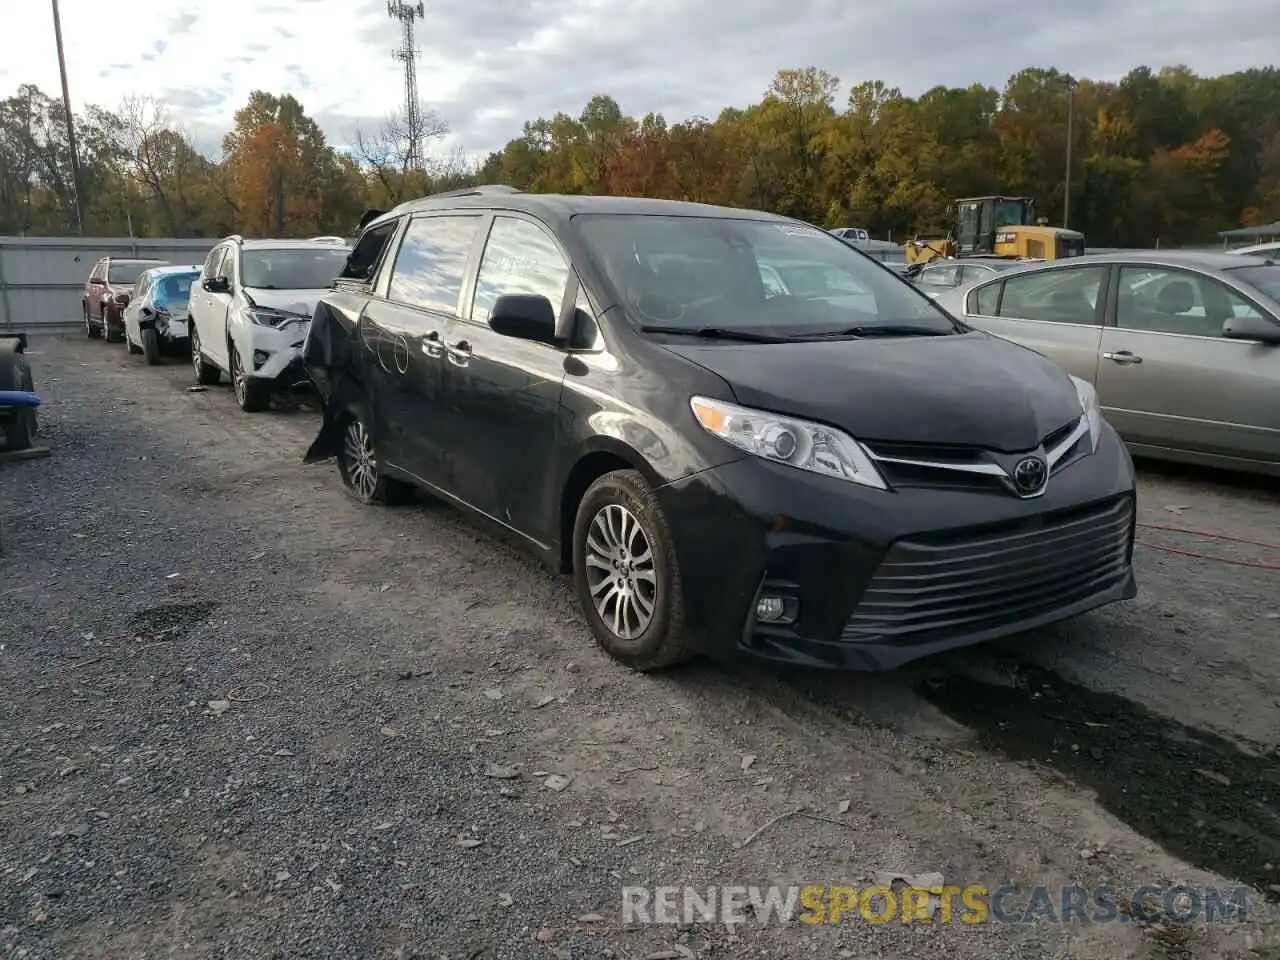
x=156, y=319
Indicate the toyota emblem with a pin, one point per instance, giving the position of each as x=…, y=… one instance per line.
x=1030, y=475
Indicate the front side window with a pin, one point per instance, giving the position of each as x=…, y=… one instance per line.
x=227, y=267
x=519, y=257
x=1165, y=300
x=211, y=262
x=292, y=268
x=1054, y=296
x=983, y=301
x=771, y=278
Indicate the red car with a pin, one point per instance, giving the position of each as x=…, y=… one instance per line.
x=106, y=293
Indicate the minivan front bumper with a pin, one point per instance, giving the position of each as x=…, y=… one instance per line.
x=877, y=578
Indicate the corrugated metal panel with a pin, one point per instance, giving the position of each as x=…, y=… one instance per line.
x=42, y=278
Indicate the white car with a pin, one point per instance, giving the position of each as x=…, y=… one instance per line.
x=252, y=308
x=155, y=319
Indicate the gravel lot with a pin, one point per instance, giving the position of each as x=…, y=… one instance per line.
x=243, y=716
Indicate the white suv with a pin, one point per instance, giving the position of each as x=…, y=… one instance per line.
x=251, y=310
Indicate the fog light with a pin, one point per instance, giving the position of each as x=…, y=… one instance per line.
x=775, y=609
x=260, y=357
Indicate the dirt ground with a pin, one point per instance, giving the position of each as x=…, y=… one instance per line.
x=242, y=716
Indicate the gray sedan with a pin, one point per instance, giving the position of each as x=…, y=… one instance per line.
x=1183, y=347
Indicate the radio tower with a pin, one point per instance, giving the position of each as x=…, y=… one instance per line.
x=407, y=53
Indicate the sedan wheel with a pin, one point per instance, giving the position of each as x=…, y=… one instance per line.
x=627, y=575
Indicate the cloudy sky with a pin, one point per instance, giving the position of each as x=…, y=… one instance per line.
x=488, y=65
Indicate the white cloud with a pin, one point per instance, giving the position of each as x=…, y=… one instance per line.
x=488, y=65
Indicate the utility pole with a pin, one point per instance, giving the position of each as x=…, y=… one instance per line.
x=71, y=123
x=1070, y=83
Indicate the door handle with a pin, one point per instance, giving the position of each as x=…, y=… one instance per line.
x=1122, y=357
x=459, y=353
x=431, y=345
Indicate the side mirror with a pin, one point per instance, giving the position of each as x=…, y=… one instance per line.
x=1252, y=328
x=216, y=284
x=525, y=316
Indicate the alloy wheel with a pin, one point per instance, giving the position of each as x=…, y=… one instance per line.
x=362, y=463
x=238, y=375
x=195, y=351
x=620, y=571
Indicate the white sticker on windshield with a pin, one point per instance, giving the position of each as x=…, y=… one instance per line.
x=792, y=230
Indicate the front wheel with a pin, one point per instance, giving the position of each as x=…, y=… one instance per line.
x=626, y=573
x=109, y=333
x=92, y=332
x=359, y=468
x=251, y=394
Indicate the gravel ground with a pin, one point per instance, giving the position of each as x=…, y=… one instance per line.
x=243, y=716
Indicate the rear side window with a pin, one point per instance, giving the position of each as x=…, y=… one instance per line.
x=984, y=300
x=432, y=262
x=519, y=258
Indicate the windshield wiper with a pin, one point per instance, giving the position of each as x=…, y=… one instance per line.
x=716, y=333
x=885, y=330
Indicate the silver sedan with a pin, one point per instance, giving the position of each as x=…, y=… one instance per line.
x=1183, y=347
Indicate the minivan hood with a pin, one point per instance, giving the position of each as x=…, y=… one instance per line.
x=294, y=301
x=970, y=389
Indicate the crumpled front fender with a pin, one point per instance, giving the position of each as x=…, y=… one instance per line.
x=328, y=355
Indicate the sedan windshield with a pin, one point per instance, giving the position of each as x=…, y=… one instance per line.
x=296, y=268
x=1264, y=277
x=777, y=278
x=127, y=271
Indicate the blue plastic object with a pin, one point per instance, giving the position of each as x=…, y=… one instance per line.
x=18, y=398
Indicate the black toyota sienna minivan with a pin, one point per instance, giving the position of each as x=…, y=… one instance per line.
x=735, y=431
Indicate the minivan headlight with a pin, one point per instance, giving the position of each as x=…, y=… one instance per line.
x=1091, y=408
x=798, y=443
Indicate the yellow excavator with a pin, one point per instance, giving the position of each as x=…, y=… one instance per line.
x=997, y=227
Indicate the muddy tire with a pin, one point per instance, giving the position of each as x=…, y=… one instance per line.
x=626, y=574
x=92, y=332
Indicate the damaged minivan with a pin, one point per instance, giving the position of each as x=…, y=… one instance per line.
x=735, y=431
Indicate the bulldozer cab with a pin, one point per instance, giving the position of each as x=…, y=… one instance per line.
x=1006, y=227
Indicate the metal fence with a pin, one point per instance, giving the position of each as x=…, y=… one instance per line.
x=42, y=278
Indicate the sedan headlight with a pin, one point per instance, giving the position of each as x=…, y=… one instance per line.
x=1091, y=409
x=266, y=317
x=797, y=443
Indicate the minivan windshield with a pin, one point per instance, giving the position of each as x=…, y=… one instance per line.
x=773, y=278
x=1264, y=277
x=292, y=268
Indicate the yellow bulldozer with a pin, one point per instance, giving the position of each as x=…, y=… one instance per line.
x=997, y=227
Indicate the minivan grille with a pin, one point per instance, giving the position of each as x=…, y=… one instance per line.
x=980, y=579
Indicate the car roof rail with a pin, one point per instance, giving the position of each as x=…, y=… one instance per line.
x=234, y=238
x=477, y=191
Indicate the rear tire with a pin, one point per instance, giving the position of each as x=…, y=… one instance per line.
x=359, y=468
x=206, y=373
x=109, y=333
x=151, y=347
x=626, y=573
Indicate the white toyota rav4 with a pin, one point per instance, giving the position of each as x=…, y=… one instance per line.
x=251, y=310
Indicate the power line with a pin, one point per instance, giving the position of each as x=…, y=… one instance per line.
x=407, y=53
